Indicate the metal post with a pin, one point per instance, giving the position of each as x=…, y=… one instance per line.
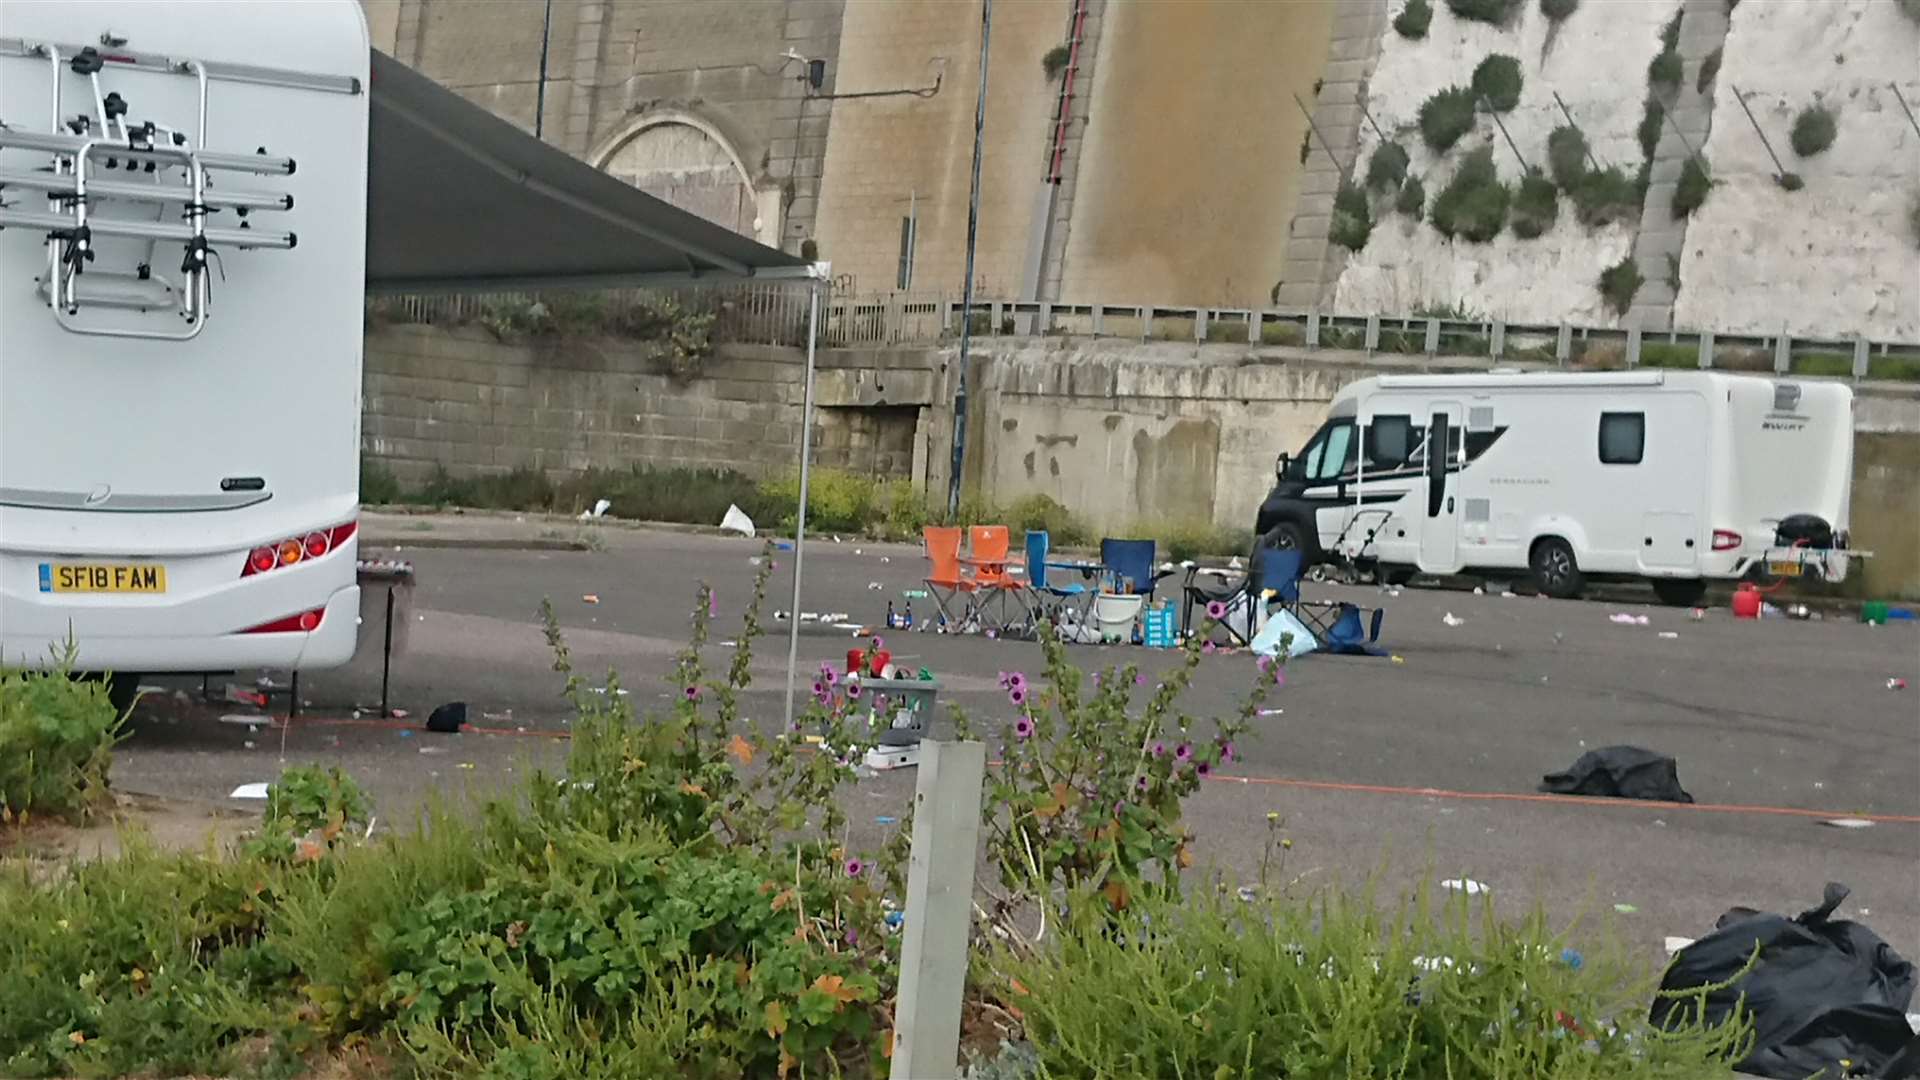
x=800, y=516
x=386, y=658
x=966, y=303
x=540, y=95
x=1902, y=99
x=1592, y=159
x=1495, y=113
x=1346, y=171
x=1742, y=99
x=933, y=945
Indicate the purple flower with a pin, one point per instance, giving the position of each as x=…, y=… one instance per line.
x=713, y=604
x=1143, y=783
x=1216, y=610
x=1004, y=678
x=1017, y=695
x=819, y=688
x=1016, y=681
x=1264, y=663
x=1279, y=677
x=828, y=676
x=879, y=644
x=1203, y=769
x=1207, y=648
x=1023, y=727
x=1096, y=678
x=1182, y=753
x=853, y=689
x=854, y=866
x=1119, y=806
x=853, y=936
x=1226, y=753
x=1159, y=749
x=1140, y=679
x=693, y=693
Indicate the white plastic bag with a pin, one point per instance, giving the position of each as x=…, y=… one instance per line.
x=737, y=520
x=1281, y=622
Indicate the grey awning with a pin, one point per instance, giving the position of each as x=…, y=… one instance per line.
x=459, y=199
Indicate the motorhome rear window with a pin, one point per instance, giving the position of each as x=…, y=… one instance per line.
x=1623, y=438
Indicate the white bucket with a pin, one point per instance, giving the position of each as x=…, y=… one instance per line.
x=1115, y=614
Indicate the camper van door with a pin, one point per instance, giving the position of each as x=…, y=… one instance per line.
x=1440, y=525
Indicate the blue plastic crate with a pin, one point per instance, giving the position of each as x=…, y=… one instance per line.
x=1161, y=630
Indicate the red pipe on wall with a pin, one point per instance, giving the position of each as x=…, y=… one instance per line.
x=1065, y=113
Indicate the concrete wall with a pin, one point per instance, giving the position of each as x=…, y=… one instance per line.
x=1125, y=434
x=1191, y=156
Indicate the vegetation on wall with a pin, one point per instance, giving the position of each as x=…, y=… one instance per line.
x=1911, y=9
x=1606, y=197
x=1474, y=203
x=1535, y=205
x=1413, y=20
x=1664, y=71
x=1055, y=61
x=1813, y=130
x=1691, y=191
x=1412, y=200
x=1387, y=168
x=1558, y=9
x=1652, y=116
x=1913, y=216
x=1619, y=282
x=1445, y=117
x=1709, y=70
x=1496, y=12
x=1567, y=156
x=1498, y=80
x=1352, y=218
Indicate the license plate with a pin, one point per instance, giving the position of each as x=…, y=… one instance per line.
x=1784, y=569
x=103, y=578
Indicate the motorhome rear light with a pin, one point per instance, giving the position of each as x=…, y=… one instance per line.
x=1726, y=540
x=298, y=549
x=304, y=623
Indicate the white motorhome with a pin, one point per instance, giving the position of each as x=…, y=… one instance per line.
x=183, y=194
x=1675, y=477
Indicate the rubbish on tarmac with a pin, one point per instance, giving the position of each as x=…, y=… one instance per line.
x=1466, y=885
x=874, y=586
x=1624, y=619
x=1675, y=944
x=250, y=791
x=1621, y=772
x=1848, y=823
x=248, y=719
x=1896, y=683
x=600, y=508
x=1625, y=909
x=1697, y=614
x=1799, y=611
x=736, y=520
x=590, y=598
x=240, y=695
x=1819, y=990
x=1452, y=620
x=1669, y=634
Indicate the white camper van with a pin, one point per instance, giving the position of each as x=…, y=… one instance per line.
x=183, y=193
x=1676, y=477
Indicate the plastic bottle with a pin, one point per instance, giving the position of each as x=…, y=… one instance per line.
x=908, y=623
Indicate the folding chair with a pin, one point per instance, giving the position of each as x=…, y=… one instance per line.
x=1051, y=600
x=945, y=578
x=987, y=558
x=1129, y=565
x=1350, y=634
x=1273, y=571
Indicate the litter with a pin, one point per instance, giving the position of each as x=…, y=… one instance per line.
x=1822, y=990
x=619, y=692
x=1624, y=619
x=1466, y=885
x=240, y=695
x=1669, y=634
x=1621, y=772
x=1271, y=712
x=397, y=714
x=248, y=744
x=1478, y=591
x=783, y=545
x=600, y=508
x=885, y=820
x=1697, y=614
x=1848, y=823
x=753, y=560
x=874, y=586
x=1452, y=620
x=433, y=749
x=406, y=733
x=1675, y=944
x=248, y=720
x=1572, y=958
x=1896, y=684
x=1625, y=909
x=885, y=559
x=736, y=520
x=590, y=598
x=250, y=791
x=857, y=551
x=1398, y=659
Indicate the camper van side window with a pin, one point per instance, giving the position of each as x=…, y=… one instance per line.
x=1389, y=441
x=1623, y=438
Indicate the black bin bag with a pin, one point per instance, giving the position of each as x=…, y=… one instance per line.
x=1823, y=991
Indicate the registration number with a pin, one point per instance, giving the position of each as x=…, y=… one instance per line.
x=103, y=578
x=1784, y=569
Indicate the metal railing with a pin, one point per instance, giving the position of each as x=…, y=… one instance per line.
x=771, y=314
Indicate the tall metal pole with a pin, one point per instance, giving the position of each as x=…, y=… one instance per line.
x=966, y=301
x=540, y=95
x=800, y=517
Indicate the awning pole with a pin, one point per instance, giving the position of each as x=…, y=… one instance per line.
x=800, y=516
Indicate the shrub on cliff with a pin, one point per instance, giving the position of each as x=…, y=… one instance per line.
x=1709, y=69
x=1691, y=191
x=1619, y=282
x=1605, y=197
x=1567, y=156
x=1387, y=167
x=1665, y=71
x=1652, y=116
x=1813, y=130
x=1558, y=9
x=1473, y=205
x=1496, y=12
x=1498, y=80
x=1413, y=20
x=1352, y=218
x=1911, y=9
x=1535, y=206
x=1412, y=200
x=1445, y=117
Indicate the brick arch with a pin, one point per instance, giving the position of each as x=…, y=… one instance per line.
x=714, y=183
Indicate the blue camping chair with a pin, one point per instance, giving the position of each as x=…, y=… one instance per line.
x=1351, y=635
x=1275, y=570
x=1049, y=599
x=1129, y=566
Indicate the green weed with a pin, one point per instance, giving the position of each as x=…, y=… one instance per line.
x=1413, y=20
x=58, y=733
x=1619, y=283
x=1813, y=130
x=1387, y=168
x=1694, y=186
x=1535, y=206
x=1445, y=117
x=1474, y=203
x=1497, y=81
x=1352, y=217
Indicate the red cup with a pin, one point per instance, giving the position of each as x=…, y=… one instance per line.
x=856, y=661
x=878, y=661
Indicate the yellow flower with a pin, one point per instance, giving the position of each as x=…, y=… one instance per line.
x=1272, y=816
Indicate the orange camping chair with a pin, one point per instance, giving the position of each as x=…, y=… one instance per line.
x=990, y=562
x=945, y=579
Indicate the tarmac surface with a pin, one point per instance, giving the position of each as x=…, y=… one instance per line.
x=1395, y=769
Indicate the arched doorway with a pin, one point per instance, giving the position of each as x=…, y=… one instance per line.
x=683, y=160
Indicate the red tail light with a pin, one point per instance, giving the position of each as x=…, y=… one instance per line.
x=304, y=623
x=1726, y=540
x=296, y=549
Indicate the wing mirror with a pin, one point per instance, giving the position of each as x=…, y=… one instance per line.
x=1280, y=465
